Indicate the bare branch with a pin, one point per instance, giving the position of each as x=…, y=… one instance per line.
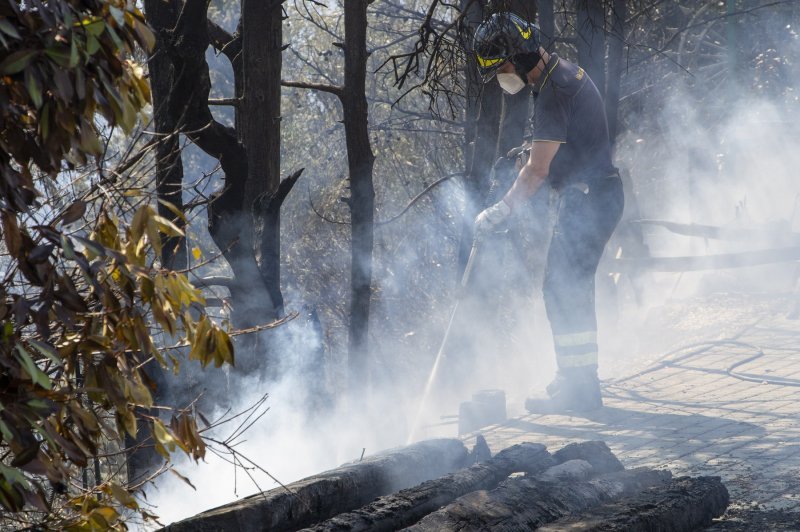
x=322, y=87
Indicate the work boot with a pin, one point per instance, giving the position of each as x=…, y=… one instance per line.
x=573, y=390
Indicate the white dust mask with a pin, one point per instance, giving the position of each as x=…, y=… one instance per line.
x=511, y=83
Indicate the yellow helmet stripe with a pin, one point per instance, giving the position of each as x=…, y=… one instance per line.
x=525, y=34
x=483, y=62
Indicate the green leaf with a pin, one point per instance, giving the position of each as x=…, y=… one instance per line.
x=33, y=86
x=37, y=375
x=68, y=248
x=13, y=475
x=8, y=330
x=73, y=54
x=7, y=436
x=9, y=29
x=92, y=44
x=44, y=121
x=17, y=61
x=95, y=26
x=46, y=350
x=60, y=55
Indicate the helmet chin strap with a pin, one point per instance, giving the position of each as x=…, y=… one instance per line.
x=524, y=63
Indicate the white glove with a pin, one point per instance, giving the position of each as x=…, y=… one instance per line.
x=487, y=220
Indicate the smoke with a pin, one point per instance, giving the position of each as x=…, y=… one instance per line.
x=300, y=430
x=731, y=164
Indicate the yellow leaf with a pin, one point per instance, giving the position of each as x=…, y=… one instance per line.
x=163, y=437
x=139, y=222
x=123, y=496
x=196, y=253
x=167, y=227
x=127, y=420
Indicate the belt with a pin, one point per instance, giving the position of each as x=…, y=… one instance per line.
x=584, y=187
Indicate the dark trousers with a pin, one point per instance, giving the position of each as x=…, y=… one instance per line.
x=586, y=220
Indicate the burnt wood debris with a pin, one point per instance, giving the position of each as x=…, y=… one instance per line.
x=439, y=485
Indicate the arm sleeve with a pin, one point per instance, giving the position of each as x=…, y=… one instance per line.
x=550, y=117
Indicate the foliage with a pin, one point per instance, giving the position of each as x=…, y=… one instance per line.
x=82, y=291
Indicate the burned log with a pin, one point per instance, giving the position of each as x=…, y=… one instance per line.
x=569, y=470
x=336, y=491
x=686, y=504
x=526, y=503
x=409, y=506
x=596, y=453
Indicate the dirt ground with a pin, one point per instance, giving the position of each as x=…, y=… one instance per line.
x=717, y=394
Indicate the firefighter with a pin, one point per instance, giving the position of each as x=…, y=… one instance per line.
x=571, y=152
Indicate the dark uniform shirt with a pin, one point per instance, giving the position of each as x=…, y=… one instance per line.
x=569, y=109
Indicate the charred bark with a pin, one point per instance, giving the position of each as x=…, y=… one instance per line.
x=482, y=116
x=547, y=23
x=591, y=41
x=596, y=453
x=360, y=160
x=406, y=507
x=686, y=504
x=616, y=46
x=230, y=215
x=169, y=165
x=525, y=503
x=260, y=127
x=333, y=492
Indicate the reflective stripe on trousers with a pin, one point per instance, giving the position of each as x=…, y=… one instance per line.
x=576, y=350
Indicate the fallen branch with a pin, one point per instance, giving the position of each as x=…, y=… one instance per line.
x=686, y=504
x=333, y=492
x=406, y=507
x=525, y=503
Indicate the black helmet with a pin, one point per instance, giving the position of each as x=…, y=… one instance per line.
x=503, y=37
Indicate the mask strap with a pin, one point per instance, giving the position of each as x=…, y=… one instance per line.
x=524, y=63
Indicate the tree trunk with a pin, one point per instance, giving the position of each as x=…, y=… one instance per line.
x=260, y=127
x=547, y=23
x=406, y=507
x=482, y=117
x=616, y=47
x=686, y=504
x=592, y=40
x=360, y=160
x=525, y=503
x=333, y=492
x=230, y=213
x=169, y=165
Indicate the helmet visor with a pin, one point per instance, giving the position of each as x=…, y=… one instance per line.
x=490, y=57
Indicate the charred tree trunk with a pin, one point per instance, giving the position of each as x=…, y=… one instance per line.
x=616, y=46
x=360, y=160
x=340, y=490
x=260, y=127
x=547, y=23
x=482, y=116
x=406, y=507
x=525, y=503
x=169, y=165
x=686, y=504
x=592, y=40
x=230, y=215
